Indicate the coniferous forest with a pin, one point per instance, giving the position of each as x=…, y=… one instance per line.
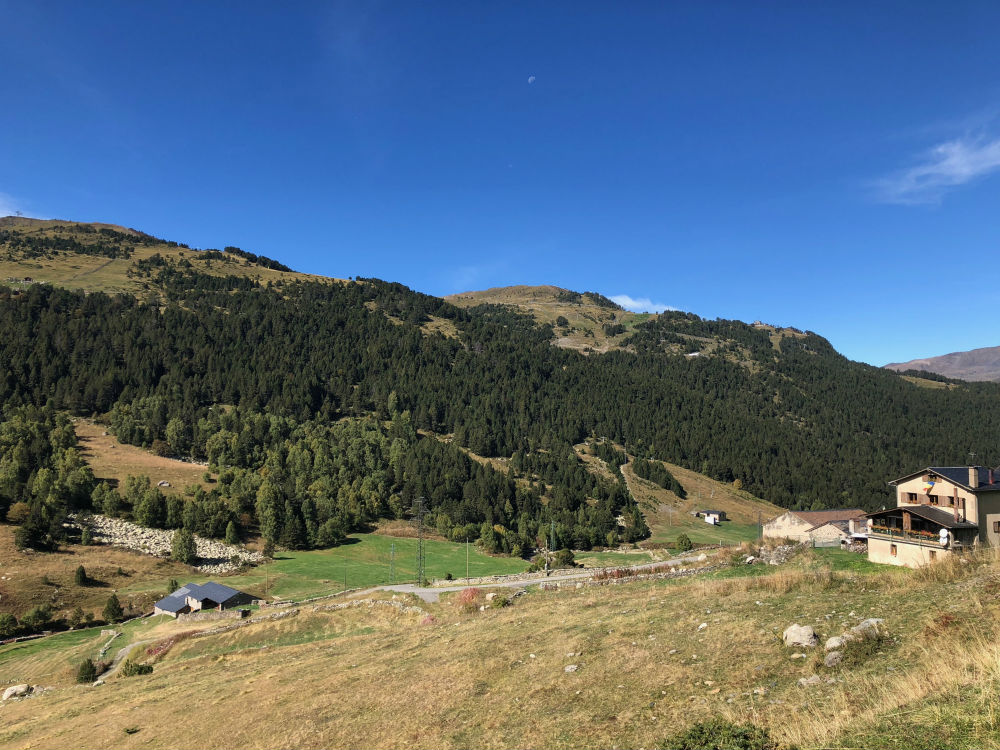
x=323, y=406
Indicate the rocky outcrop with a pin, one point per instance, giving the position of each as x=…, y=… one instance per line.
x=214, y=557
x=16, y=691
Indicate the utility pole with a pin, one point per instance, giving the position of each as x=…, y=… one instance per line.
x=419, y=510
x=466, y=560
x=392, y=563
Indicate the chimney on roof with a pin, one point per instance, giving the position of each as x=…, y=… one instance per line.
x=973, y=477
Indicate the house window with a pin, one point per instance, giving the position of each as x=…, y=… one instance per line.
x=996, y=527
x=892, y=550
x=911, y=497
x=934, y=499
x=951, y=501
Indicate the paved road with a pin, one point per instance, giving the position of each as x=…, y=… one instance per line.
x=432, y=593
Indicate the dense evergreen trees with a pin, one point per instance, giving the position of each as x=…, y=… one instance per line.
x=311, y=399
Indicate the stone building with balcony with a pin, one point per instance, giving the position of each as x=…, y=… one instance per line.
x=939, y=511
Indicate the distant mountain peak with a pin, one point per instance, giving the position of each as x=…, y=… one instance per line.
x=976, y=364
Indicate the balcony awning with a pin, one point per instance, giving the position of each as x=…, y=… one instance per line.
x=928, y=513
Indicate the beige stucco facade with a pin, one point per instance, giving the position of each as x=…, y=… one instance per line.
x=827, y=535
x=787, y=526
x=982, y=508
x=945, y=495
x=905, y=553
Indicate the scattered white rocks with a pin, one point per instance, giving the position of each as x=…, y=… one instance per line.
x=571, y=667
x=800, y=635
x=810, y=681
x=213, y=556
x=702, y=626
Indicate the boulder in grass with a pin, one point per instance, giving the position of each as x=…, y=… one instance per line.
x=800, y=635
x=16, y=691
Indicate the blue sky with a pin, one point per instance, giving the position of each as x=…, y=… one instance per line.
x=832, y=166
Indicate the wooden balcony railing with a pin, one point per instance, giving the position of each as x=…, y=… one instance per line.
x=924, y=537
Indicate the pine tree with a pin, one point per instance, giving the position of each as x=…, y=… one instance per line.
x=113, y=611
x=80, y=577
x=183, y=548
x=232, y=536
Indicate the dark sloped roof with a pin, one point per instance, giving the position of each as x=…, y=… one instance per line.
x=929, y=513
x=820, y=517
x=213, y=591
x=959, y=475
x=171, y=603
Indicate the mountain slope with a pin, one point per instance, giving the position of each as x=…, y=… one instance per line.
x=315, y=391
x=109, y=258
x=975, y=365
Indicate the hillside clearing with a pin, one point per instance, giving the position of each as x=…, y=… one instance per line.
x=112, y=461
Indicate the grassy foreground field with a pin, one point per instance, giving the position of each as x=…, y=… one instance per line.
x=651, y=658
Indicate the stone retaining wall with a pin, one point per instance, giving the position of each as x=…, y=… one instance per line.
x=408, y=609
x=209, y=615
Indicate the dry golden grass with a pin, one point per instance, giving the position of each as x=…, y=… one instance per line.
x=114, y=461
x=585, y=331
x=101, y=274
x=23, y=577
x=494, y=679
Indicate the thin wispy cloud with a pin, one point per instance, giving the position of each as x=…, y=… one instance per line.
x=944, y=167
x=640, y=304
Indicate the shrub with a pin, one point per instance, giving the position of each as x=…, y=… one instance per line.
x=18, y=512
x=86, y=537
x=232, y=535
x=500, y=601
x=132, y=668
x=76, y=618
x=80, y=577
x=37, y=617
x=87, y=672
x=564, y=559
x=719, y=734
x=449, y=577
x=8, y=625
x=684, y=543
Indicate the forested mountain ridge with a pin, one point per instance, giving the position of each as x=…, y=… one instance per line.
x=308, y=396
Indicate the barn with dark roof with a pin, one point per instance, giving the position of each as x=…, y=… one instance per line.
x=193, y=597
